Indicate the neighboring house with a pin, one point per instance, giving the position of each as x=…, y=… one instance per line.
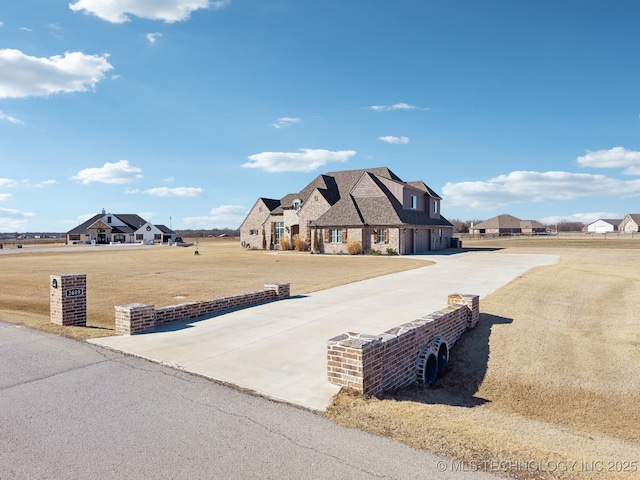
x=105, y=228
x=371, y=206
x=507, y=225
x=630, y=223
x=604, y=226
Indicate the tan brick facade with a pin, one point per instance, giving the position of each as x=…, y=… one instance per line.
x=68, y=299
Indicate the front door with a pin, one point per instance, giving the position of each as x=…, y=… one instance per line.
x=102, y=238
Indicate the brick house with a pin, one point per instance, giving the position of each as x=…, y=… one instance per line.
x=371, y=206
x=502, y=225
x=630, y=223
x=105, y=228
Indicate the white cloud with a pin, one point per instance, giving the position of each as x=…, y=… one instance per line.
x=153, y=36
x=25, y=76
x=1, y=24
x=166, y=10
x=9, y=118
x=5, y=196
x=394, y=140
x=111, y=173
x=26, y=29
x=305, y=160
x=522, y=186
x=585, y=218
x=286, y=122
x=44, y=183
x=169, y=179
x=7, y=182
x=616, y=157
x=225, y=216
x=186, y=192
x=396, y=106
x=14, y=220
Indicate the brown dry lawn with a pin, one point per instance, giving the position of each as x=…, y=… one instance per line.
x=549, y=377
x=161, y=276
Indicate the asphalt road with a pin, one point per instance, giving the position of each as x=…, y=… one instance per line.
x=71, y=410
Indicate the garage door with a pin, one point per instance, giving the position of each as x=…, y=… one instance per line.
x=422, y=240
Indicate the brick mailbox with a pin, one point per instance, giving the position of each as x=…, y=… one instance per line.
x=68, y=299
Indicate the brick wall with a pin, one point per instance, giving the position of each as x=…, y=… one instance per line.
x=137, y=318
x=68, y=299
x=372, y=364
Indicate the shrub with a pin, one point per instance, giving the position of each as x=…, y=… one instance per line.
x=285, y=244
x=299, y=243
x=391, y=251
x=354, y=247
x=264, y=240
x=371, y=251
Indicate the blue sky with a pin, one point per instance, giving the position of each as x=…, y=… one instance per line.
x=187, y=111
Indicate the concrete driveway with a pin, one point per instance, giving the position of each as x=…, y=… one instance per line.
x=279, y=349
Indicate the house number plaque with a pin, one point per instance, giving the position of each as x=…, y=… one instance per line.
x=75, y=292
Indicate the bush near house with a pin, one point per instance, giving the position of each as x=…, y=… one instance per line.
x=285, y=243
x=354, y=247
x=299, y=243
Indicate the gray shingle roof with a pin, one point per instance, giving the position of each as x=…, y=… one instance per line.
x=380, y=209
x=133, y=222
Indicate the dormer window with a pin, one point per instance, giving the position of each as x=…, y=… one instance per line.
x=435, y=206
x=414, y=202
x=296, y=205
x=109, y=220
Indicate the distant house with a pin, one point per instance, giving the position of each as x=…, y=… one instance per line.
x=604, y=226
x=371, y=206
x=630, y=223
x=502, y=225
x=105, y=228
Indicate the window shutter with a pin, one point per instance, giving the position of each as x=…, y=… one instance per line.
x=326, y=235
x=344, y=235
x=273, y=232
x=386, y=235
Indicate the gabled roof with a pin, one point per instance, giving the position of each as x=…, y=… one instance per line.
x=420, y=185
x=610, y=221
x=374, y=209
x=635, y=217
x=132, y=223
x=508, y=222
x=164, y=229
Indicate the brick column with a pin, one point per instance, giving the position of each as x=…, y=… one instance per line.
x=134, y=318
x=68, y=299
x=471, y=301
x=283, y=290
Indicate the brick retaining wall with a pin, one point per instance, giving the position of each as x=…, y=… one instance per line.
x=372, y=364
x=137, y=318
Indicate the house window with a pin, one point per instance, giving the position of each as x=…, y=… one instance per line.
x=435, y=206
x=279, y=232
x=109, y=220
x=139, y=236
x=157, y=236
x=414, y=202
x=253, y=232
x=380, y=235
x=296, y=205
x=74, y=237
x=335, y=235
